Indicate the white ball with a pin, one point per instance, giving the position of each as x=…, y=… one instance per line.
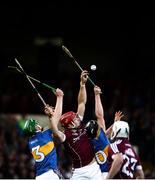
x=93, y=67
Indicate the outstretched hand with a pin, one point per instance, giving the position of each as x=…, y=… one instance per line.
x=118, y=116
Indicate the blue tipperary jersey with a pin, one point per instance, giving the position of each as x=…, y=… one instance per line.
x=100, y=144
x=42, y=148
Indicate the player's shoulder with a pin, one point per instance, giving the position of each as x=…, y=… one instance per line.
x=115, y=146
x=116, y=143
x=47, y=130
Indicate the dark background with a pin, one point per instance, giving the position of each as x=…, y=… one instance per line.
x=119, y=41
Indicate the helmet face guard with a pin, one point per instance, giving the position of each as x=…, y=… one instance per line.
x=92, y=128
x=67, y=118
x=120, y=129
x=30, y=127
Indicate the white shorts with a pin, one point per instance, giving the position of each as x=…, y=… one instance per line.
x=48, y=175
x=104, y=175
x=91, y=171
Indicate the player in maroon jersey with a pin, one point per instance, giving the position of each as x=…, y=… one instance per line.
x=123, y=160
x=79, y=147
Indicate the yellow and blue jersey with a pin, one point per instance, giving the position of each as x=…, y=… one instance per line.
x=100, y=144
x=43, y=150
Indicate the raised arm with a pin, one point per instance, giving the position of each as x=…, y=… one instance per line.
x=118, y=116
x=55, y=114
x=82, y=96
x=99, y=112
x=58, y=107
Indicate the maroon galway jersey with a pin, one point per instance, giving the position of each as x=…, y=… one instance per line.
x=131, y=161
x=80, y=148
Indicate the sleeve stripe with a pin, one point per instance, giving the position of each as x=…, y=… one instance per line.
x=114, y=148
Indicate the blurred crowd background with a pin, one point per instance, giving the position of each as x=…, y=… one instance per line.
x=120, y=42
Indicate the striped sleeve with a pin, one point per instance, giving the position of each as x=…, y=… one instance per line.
x=114, y=148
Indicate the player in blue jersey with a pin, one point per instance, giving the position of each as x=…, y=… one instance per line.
x=97, y=132
x=41, y=142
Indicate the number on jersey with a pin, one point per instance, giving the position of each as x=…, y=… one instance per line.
x=130, y=163
x=37, y=154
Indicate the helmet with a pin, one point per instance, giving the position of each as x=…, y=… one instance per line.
x=67, y=118
x=30, y=127
x=92, y=128
x=120, y=129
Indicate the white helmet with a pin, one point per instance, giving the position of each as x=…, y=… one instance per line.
x=120, y=129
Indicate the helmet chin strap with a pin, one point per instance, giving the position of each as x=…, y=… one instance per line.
x=116, y=134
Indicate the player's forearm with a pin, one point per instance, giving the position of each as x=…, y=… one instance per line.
x=114, y=170
x=56, y=132
x=116, y=166
x=99, y=111
x=82, y=96
x=58, y=109
x=98, y=107
x=54, y=127
x=108, y=131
